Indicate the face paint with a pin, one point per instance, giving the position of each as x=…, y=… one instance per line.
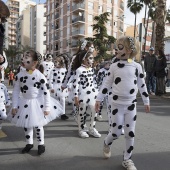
x=27, y=60
x=91, y=49
x=90, y=60
x=121, y=52
x=49, y=58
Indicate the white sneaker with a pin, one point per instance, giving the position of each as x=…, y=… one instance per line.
x=94, y=133
x=106, y=151
x=129, y=165
x=86, y=128
x=152, y=93
x=99, y=118
x=83, y=134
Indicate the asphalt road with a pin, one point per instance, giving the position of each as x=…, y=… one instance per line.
x=66, y=151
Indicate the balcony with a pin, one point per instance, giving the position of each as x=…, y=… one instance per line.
x=45, y=42
x=122, y=6
x=57, y=16
x=78, y=7
x=45, y=24
x=121, y=29
x=56, y=5
x=78, y=20
x=45, y=14
x=45, y=33
x=74, y=44
x=45, y=4
x=78, y=33
x=56, y=37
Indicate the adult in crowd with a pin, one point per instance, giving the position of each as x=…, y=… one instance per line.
x=160, y=65
x=149, y=62
x=11, y=78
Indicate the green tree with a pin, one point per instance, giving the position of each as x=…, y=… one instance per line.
x=11, y=54
x=101, y=40
x=135, y=7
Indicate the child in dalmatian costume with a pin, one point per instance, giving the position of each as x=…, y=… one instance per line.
x=125, y=77
x=101, y=75
x=33, y=108
x=4, y=101
x=48, y=66
x=68, y=79
x=56, y=76
x=3, y=65
x=85, y=92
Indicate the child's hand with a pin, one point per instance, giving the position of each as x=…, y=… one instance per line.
x=14, y=111
x=62, y=88
x=76, y=100
x=97, y=106
x=46, y=113
x=52, y=90
x=147, y=108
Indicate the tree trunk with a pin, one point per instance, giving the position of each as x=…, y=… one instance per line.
x=135, y=28
x=145, y=15
x=160, y=24
x=153, y=35
x=146, y=30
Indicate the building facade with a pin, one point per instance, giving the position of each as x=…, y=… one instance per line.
x=38, y=28
x=69, y=21
x=15, y=7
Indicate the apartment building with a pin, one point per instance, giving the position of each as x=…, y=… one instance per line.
x=15, y=7
x=37, y=28
x=69, y=21
x=22, y=31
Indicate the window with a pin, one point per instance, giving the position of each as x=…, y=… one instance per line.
x=108, y=32
x=109, y=23
x=61, y=22
x=90, y=5
x=115, y=13
x=115, y=24
x=90, y=17
x=68, y=30
x=61, y=33
x=100, y=8
x=109, y=10
x=68, y=20
x=68, y=7
x=115, y=34
x=90, y=30
x=109, y=1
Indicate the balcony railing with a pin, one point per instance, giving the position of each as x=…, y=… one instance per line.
x=45, y=42
x=56, y=38
x=74, y=43
x=78, y=6
x=56, y=16
x=122, y=6
x=121, y=29
x=78, y=32
x=78, y=19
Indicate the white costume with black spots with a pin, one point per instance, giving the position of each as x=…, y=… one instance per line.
x=3, y=66
x=101, y=76
x=4, y=101
x=125, y=79
x=35, y=99
x=48, y=66
x=85, y=89
x=56, y=78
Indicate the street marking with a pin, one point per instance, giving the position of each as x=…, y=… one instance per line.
x=2, y=134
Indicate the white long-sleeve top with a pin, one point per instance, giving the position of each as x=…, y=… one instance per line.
x=48, y=66
x=57, y=76
x=4, y=96
x=84, y=85
x=31, y=86
x=125, y=79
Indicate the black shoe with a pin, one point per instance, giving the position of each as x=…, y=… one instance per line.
x=64, y=117
x=27, y=148
x=41, y=149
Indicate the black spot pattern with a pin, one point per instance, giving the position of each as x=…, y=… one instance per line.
x=117, y=80
x=131, y=107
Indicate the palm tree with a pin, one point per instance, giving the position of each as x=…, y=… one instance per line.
x=11, y=54
x=160, y=17
x=135, y=7
x=151, y=5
